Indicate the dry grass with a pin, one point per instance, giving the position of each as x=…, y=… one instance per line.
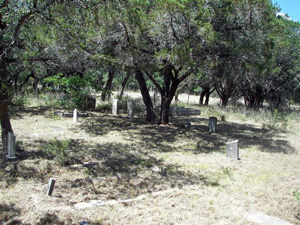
x=202, y=186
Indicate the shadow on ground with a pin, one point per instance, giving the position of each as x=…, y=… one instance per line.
x=127, y=170
x=9, y=213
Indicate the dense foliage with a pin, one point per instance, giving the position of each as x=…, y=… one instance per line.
x=237, y=48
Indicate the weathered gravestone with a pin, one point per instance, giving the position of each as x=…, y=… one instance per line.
x=69, y=114
x=75, y=115
x=187, y=125
x=212, y=124
x=50, y=187
x=163, y=171
x=59, y=113
x=130, y=108
x=233, y=149
x=11, y=146
x=115, y=107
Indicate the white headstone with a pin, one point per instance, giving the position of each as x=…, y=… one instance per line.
x=212, y=124
x=115, y=107
x=75, y=115
x=233, y=149
x=11, y=146
x=130, y=108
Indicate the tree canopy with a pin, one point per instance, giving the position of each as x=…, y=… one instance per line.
x=238, y=48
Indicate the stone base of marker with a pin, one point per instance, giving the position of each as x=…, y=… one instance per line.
x=212, y=124
x=50, y=187
x=232, y=150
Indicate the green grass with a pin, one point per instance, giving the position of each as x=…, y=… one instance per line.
x=226, y=171
x=55, y=149
x=296, y=194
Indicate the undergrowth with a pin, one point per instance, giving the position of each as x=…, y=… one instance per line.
x=56, y=150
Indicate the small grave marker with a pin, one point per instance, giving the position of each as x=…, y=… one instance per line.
x=233, y=149
x=11, y=146
x=50, y=186
x=187, y=125
x=115, y=107
x=130, y=108
x=163, y=171
x=68, y=114
x=90, y=164
x=75, y=115
x=212, y=124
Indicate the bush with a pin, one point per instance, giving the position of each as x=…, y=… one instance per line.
x=74, y=90
x=19, y=100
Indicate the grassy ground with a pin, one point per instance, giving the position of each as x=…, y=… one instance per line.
x=202, y=186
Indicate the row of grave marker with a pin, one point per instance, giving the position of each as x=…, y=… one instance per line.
x=130, y=108
x=130, y=111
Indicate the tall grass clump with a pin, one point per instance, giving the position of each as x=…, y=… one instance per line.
x=46, y=99
x=56, y=150
x=273, y=120
x=225, y=171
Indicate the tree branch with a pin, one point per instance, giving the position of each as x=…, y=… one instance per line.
x=154, y=81
x=5, y=4
x=184, y=76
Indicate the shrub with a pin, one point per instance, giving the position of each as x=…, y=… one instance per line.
x=74, y=90
x=19, y=100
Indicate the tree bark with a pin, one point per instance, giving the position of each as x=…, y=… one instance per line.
x=107, y=88
x=150, y=117
x=202, y=94
x=168, y=93
x=224, y=101
x=5, y=121
x=258, y=97
x=124, y=82
x=4, y=113
x=207, y=98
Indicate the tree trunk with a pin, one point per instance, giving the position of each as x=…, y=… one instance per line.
x=168, y=93
x=107, y=88
x=258, y=97
x=224, y=101
x=207, y=97
x=202, y=94
x=124, y=82
x=176, y=98
x=4, y=113
x=150, y=117
x=165, y=112
x=5, y=121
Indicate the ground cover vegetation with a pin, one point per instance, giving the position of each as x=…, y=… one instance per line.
x=109, y=159
x=67, y=54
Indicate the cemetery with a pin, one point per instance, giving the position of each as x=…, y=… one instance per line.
x=149, y=112
x=114, y=168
